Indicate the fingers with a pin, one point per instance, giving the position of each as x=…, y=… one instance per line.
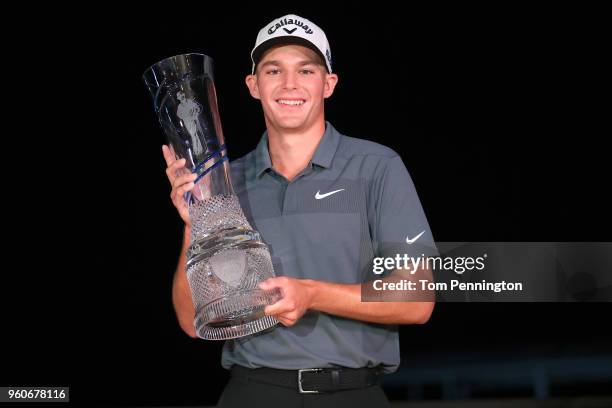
x=184, y=179
x=274, y=309
x=182, y=185
x=181, y=180
x=285, y=321
x=168, y=157
x=280, y=307
x=174, y=169
x=271, y=283
x=286, y=310
x=181, y=191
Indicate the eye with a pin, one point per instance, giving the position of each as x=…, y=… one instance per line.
x=273, y=71
x=307, y=71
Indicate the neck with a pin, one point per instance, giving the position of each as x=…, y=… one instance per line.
x=291, y=150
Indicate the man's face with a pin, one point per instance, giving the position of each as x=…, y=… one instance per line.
x=292, y=85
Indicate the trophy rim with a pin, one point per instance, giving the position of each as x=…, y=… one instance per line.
x=150, y=68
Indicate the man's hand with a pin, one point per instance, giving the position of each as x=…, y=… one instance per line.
x=297, y=298
x=181, y=182
x=340, y=299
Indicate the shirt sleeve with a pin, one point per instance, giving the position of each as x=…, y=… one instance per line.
x=398, y=225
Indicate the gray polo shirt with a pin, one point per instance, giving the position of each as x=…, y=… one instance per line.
x=354, y=201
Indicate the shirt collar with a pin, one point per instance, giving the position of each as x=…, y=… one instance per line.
x=323, y=155
x=262, y=156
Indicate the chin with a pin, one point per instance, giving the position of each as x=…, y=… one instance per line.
x=290, y=123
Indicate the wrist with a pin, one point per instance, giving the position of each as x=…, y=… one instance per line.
x=312, y=290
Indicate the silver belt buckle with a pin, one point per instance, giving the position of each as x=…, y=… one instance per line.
x=303, y=391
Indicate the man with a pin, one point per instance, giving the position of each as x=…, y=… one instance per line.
x=326, y=204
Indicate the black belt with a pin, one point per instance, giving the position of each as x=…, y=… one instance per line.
x=312, y=380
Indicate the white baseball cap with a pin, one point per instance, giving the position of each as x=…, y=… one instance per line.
x=292, y=29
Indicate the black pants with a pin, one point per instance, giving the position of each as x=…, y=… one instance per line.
x=240, y=392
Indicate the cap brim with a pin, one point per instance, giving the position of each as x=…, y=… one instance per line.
x=259, y=51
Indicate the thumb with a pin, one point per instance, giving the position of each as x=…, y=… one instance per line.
x=269, y=283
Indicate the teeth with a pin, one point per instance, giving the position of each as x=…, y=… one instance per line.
x=288, y=102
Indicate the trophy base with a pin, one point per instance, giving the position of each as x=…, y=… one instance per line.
x=236, y=315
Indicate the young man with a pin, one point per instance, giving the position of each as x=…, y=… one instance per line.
x=326, y=204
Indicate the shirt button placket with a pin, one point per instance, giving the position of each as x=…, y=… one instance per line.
x=287, y=199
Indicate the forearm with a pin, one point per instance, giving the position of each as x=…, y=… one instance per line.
x=345, y=300
x=181, y=293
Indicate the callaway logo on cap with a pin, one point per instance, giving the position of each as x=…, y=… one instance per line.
x=292, y=29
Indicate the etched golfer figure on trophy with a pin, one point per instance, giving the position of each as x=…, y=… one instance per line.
x=188, y=111
x=226, y=259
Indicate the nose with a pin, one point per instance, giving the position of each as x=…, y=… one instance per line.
x=290, y=80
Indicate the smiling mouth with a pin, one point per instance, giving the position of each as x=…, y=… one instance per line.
x=291, y=102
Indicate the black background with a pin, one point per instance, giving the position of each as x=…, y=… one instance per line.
x=496, y=113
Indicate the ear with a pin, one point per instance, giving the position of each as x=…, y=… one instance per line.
x=251, y=83
x=331, y=80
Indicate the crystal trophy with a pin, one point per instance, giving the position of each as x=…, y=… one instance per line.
x=226, y=259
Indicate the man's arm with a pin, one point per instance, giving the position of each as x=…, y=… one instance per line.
x=181, y=181
x=181, y=293
x=343, y=300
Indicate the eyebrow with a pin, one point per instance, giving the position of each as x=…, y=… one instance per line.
x=301, y=63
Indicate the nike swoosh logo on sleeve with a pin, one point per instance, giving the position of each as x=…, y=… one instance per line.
x=411, y=241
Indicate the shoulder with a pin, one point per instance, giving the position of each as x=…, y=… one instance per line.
x=242, y=161
x=239, y=168
x=352, y=146
x=371, y=157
